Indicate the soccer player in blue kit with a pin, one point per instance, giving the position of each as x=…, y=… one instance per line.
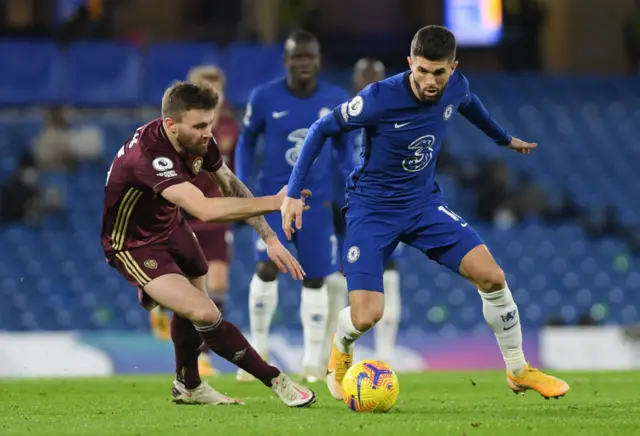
x=366, y=71
x=282, y=111
x=392, y=196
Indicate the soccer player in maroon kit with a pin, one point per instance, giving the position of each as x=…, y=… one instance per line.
x=215, y=238
x=146, y=238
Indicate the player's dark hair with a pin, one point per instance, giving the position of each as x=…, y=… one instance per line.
x=302, y=36
x=435, y=43
x=184, y=96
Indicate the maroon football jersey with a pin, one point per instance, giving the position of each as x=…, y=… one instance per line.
x=134, y=213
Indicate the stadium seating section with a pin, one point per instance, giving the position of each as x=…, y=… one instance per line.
x=55, y=277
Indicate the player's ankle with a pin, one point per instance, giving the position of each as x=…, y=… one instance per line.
x=516, y=368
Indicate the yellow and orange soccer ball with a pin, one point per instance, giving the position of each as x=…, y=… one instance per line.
x=370, y=386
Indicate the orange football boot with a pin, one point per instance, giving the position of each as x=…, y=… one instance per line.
x=531, y=378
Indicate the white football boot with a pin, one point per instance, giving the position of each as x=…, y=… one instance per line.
x=291, y=393
x=203, y=394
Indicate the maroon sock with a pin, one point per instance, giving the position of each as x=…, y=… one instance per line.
x=186, y=342
x=228, y=342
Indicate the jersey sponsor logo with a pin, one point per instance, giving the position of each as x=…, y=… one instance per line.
x=162, y=164
x=151, y=264
x=355, y=106
x=297, y=137
x=197, y=165
x=422, y=154
x=353, y=254
x=280, y=114
x=448, y=111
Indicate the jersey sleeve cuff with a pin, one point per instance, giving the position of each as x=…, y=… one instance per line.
x=293, y=192
x=506, y=140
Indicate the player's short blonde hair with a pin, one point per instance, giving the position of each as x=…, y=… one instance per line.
x=205, y=74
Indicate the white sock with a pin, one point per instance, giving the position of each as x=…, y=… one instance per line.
x=263, y=301
x=314, y=310
x=337, y=289
x=501, y=313
x=386, y=331
x=346, y=334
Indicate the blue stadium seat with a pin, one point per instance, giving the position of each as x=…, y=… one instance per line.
x=166, y=63
x=31, y=73
x=102, y=74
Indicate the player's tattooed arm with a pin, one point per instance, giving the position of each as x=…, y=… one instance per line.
x=232, y=186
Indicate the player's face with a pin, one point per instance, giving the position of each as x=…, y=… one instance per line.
x=193, y=132
x=365, y=76
x=302, y=60
x=430, y=78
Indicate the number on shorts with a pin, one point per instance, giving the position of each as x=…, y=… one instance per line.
x=451, y=214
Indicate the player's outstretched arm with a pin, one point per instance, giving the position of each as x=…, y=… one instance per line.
x=190, y=198
x=474, y=111
x=231, y=186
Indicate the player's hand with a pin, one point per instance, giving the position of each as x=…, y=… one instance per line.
x=280, y=196
x=283, y=259
x=291, y=210
x=520, y=146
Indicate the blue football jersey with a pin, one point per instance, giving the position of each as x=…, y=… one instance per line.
x=401, y=140
x=283, y=120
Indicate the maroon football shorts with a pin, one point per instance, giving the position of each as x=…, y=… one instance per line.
x=180, y=254
x=215, y=240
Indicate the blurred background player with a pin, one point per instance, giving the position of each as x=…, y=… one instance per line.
x=216, y=239
x=366, y=71
x=282, y=111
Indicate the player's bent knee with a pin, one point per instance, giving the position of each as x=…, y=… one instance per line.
x=313, y=283
x=205, y=315
x=364, y=320
x=492, y=280
x=267, y=271
x=367, y=308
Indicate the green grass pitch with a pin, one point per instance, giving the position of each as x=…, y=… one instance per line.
x=429, y=404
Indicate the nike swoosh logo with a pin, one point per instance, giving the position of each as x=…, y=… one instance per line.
x=510, y=327
x=464, y=225
x=281, y=114
x=304, y=395
x=397, y=126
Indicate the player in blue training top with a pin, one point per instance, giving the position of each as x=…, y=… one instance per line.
x=392, y=196
x=281, y=111
x=366, y=71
